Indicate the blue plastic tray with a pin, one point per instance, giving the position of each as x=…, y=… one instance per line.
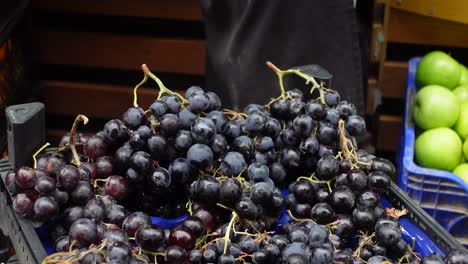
x=442, y=194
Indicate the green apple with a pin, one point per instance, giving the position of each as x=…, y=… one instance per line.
x=461, y=92
x=462, y=172
x=434, y=106
x=438, y=148
x=461, y=126
x=438, y=67
x=463, y=75
x=465, y=149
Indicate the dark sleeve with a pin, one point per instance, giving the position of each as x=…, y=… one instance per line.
x=242, y=35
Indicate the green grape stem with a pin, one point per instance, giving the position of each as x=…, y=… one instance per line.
x=227, y=239
x=306, y=77
x=37, y=153
x=162, y=88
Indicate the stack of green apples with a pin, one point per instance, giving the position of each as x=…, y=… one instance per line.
x=440, y=110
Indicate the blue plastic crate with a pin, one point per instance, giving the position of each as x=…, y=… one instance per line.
x=440, y=193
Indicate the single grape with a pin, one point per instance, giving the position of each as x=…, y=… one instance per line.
x=218, y=119
x=230, y=192
x=332, y=98
x=346, y=109
x=115, y=132
x=186, y=119
x=22, y=204
x=180, y=171
x=232, y=164
x=95, y=209
x=62, y=244
x=157, y=147
x=279, y=109
x=378, y=182
x=183, y=237
x=343, y=199
x=25, y=178
x=158, y=108
x=95, y=147
x=199, y=102
x=315, y=109
x=134, y=117
x=141, y=161
x=82, y=193
x=175, y=255
x=169, y=124
x=322, y=213
x=68, y=178
x=277, y=173
x=195, y=225
x=290, y=158
x=116, y=186
x=203, y=130
x=119, y=252
x=71, y=214
x=232, y=129
x=356, y=126
x=327, y=134
x=160, y=179
x=134, y=221
x=173, y=103
x=150, y=237
x=45, y=185
x=84, y=232
x=183, y=140
x=116, y=214
x=200, y=156
x=256, y=122
x=193, y=90
x=243, y=145
x=327, y=167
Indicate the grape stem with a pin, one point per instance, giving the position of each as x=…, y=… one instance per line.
x=227, y=240
x=78, y=119
x=312, y=178
x=37, y=153
x=282, y=73
x=162, y=89
x=189, y=205
x=348, y=151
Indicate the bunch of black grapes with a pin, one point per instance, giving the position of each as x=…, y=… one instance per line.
x=231, y=172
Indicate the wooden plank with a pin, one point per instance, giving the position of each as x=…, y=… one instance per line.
x=126, y=52
x=93, y=100
x=371, y=88
x=388, y=132
x=393, y=79
x=173, y=9
x=406, y=27
x=453, y=10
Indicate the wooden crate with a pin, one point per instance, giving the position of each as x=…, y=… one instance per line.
x=74, y=55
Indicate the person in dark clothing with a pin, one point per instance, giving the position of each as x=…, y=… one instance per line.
x=242, y=35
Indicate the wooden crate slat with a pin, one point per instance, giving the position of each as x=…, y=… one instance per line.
x=171, y=9
x=388, y=132
x=104, y=50
x=406, y=27
x=393, y=79
x=93, y=100
x=453, y=10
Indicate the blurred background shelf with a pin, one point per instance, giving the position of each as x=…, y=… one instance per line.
x=90, y=55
